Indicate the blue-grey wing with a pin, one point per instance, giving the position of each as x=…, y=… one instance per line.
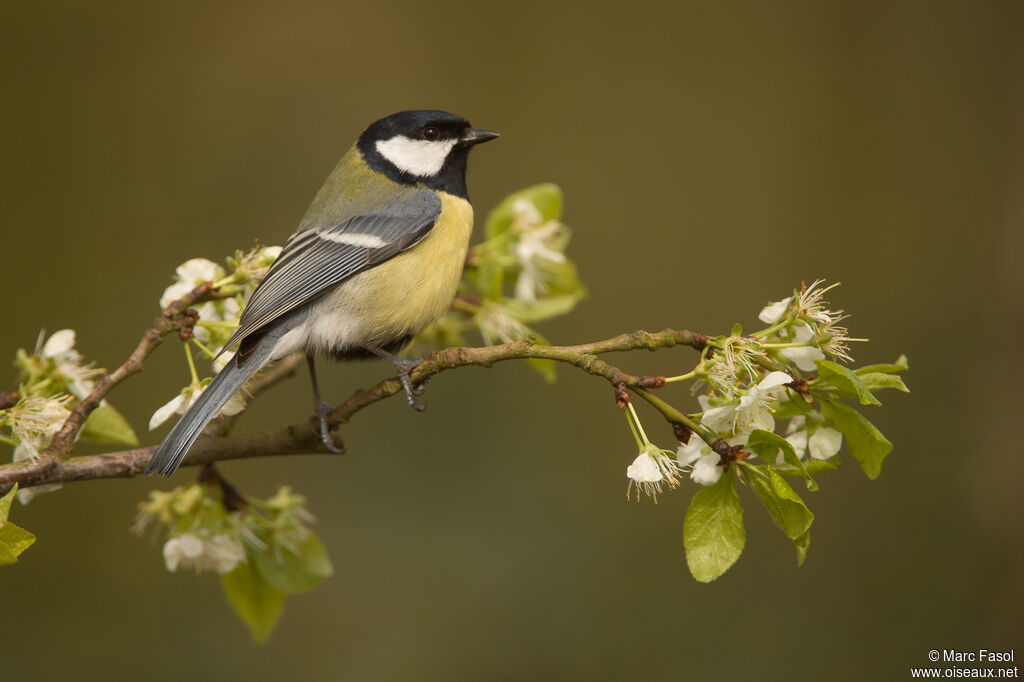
x=319, y=258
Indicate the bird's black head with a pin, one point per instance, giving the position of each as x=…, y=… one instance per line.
x=423, y=146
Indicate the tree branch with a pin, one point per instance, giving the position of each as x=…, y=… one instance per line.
x=170, y=319
x=303, y=437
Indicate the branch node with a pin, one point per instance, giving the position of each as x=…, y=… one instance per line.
x=622, y=396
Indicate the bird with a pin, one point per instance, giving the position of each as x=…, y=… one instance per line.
x=377, y=257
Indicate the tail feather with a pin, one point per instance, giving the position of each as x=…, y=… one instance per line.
x=175, y=446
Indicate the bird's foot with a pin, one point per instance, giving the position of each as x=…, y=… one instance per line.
x=404, y=367
x=323, y=408
x=411, y=391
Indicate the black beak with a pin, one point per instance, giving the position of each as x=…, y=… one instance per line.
x=476, y=136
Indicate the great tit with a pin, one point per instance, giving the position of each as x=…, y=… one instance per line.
x=377, y=257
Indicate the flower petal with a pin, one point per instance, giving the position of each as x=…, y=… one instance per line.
x=644, y=469
x=59, y=342
x=799, y=442
x=164, y=413
x=804, y=358
x=774, y=379
x=691, y=452
x=773, y=312
x=197, y=270
x=706, y=471
x=720, y=418
x=825, y=442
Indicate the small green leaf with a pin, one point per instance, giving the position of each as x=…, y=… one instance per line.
x=547, y=198
x=793, y=407
x=767, y=445
x=879, y=380
x=802, y=544
x=490, y=277
x=5, y=503
x=900, y=365
x=737, y=329
x=13, y=539
x=866, y=443
x=786, y=508
x=846, y=383
x=106, y=425
x=544, y=308
x=297, y=572
x=813, y=467
x=544, y=366
x=254, y=600
x=713, y=533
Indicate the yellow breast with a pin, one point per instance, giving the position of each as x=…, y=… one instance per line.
x=403, y=295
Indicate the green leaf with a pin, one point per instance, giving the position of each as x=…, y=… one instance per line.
x=106, y=425
x=13, y=539
x=563, y=278
x=297, y=572
x=879, y=380
x=546, y=197
x=545, y=367
x=846, y=383
x=713, y=533
x=802, y=544
x=737, y=330
x=793, y=407
x=866, y=443
x=490, y=277
x=767, y=445
x=544, y=308
x=786, y=508
x=256, y=602
x=900, y=365
x=5, y=503
x=813, y=467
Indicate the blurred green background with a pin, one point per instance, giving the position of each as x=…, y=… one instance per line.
x=712, y=155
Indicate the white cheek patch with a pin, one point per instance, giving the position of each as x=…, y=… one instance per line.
x=417, y=157
x=367, y=241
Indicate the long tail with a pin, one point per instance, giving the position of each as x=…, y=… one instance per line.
x=175, y=446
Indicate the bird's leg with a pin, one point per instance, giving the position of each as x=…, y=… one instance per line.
x=322, y=409
x=403, y=367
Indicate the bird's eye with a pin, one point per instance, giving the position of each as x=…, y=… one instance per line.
x=431, y=134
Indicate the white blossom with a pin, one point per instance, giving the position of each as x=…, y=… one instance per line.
x=773, y=312
x=498, y=324
x=33, y=424
x=180, y=403
x=803, y=357
x=69, y=363
x=838, y=340
x=701, y=460
x=219, y=553
x=35, y=420
x=742, y=352
x=254, y=265
x=59, y=342
x=811, y=304
x=752, y=411
x=22, y=452
x=534, y=253
x=188, y=276
x=538, y=247
x=649, y=470
x=824, y=442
